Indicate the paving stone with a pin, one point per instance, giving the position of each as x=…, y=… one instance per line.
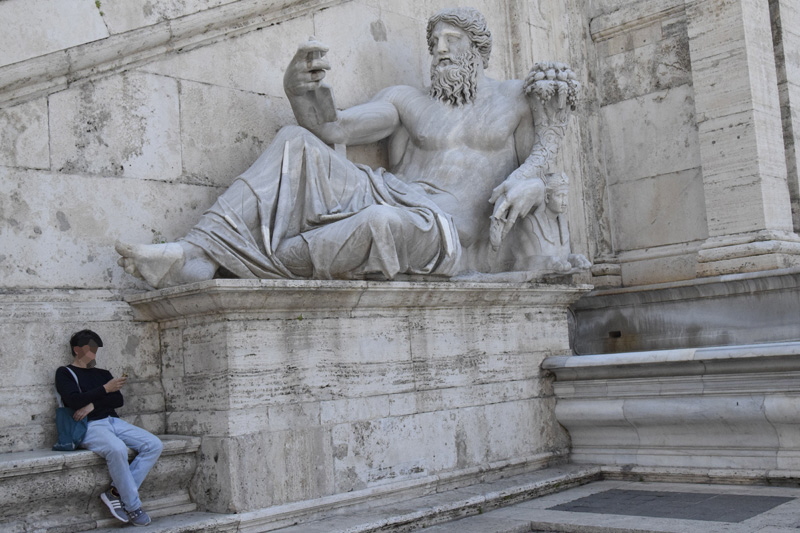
x=717, y=507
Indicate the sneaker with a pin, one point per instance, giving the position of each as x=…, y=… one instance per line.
x=139, y=517
x=114, y=504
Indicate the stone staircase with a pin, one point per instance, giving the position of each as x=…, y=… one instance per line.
x=59, y=492
x=383, y=515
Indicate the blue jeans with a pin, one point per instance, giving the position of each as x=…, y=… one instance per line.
x=110, y=438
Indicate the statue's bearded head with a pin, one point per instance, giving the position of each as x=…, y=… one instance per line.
x=460, y=43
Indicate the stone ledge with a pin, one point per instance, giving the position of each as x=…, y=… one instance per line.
x=57, y=492
x=38, y=461
x=464, y=480
x=320, y=297
x=776, y=357
x=716, y=286
x=713, y=476
x=728, y=409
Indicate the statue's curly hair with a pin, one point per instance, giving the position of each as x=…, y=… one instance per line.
x=471, y=21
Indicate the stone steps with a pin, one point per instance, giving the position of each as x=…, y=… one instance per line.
x=53, y=492
x=525, y=503
x=378, y=517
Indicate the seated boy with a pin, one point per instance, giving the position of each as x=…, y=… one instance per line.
x=95, y=395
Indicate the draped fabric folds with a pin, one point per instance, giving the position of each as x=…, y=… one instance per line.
x=355, y=220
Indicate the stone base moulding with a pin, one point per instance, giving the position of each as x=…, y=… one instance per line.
x=755, y=252
x=723, y=409
x=302, y=390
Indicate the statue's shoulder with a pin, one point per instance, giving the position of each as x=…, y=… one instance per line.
x=514, y=88
x=400, y=92
x=511, y=92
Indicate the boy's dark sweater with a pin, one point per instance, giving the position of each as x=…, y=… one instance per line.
x=92, y=381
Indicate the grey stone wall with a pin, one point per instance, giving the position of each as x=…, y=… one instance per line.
x=648, y=139
x=127, y=119
x=695, y=172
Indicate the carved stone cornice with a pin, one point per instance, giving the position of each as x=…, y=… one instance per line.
x=633, y=16
x=295, y=298
x=45, y=74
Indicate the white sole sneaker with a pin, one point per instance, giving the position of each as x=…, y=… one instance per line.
x=114, y=505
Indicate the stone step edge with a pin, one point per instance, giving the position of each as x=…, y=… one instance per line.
x=714, y=476
x=479, y=504
x=276, y=518
x=281, y=516
x=156, y=508
x=39, y=461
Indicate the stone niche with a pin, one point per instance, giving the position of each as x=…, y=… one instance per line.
x=309, y=390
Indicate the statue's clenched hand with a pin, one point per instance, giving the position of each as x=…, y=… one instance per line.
x=307, y=69
x=512, y=199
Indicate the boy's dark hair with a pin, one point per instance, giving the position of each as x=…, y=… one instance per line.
x=83, y=337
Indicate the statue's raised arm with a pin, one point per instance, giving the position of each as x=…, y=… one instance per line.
x=311, y=98
x=314, y=107
x=552, y=90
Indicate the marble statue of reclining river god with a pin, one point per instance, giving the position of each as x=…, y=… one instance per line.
x=468, y=158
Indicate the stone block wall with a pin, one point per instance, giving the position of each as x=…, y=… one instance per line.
x=653, y=170
x=125, y=120
x=696, y=175
x=306, y=390
x=785, y=17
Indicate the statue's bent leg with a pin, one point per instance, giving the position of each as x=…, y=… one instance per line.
x=188, y=259
x=300, y=197
x=298, y=184
x=378, y=239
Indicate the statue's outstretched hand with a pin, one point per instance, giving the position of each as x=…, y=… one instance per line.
x=307, y=68
x=512, y=199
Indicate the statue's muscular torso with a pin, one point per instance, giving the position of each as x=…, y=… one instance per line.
x=459, y=154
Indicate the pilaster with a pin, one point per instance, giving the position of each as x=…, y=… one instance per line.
x=741, y=139
x=786, y=37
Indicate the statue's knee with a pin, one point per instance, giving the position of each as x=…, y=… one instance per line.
x=383, y=217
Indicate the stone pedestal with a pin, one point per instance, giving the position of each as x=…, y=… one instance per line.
x=308, y=390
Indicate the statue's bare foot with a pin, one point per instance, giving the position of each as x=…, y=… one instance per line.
x=167, y=264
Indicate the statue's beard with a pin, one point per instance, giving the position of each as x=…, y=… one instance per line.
x=456, y=83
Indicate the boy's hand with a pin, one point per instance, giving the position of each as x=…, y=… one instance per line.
x=81, y=413
x=115, y=384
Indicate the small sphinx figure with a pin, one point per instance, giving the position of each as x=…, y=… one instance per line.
x=467, y=160
x=544, y=234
